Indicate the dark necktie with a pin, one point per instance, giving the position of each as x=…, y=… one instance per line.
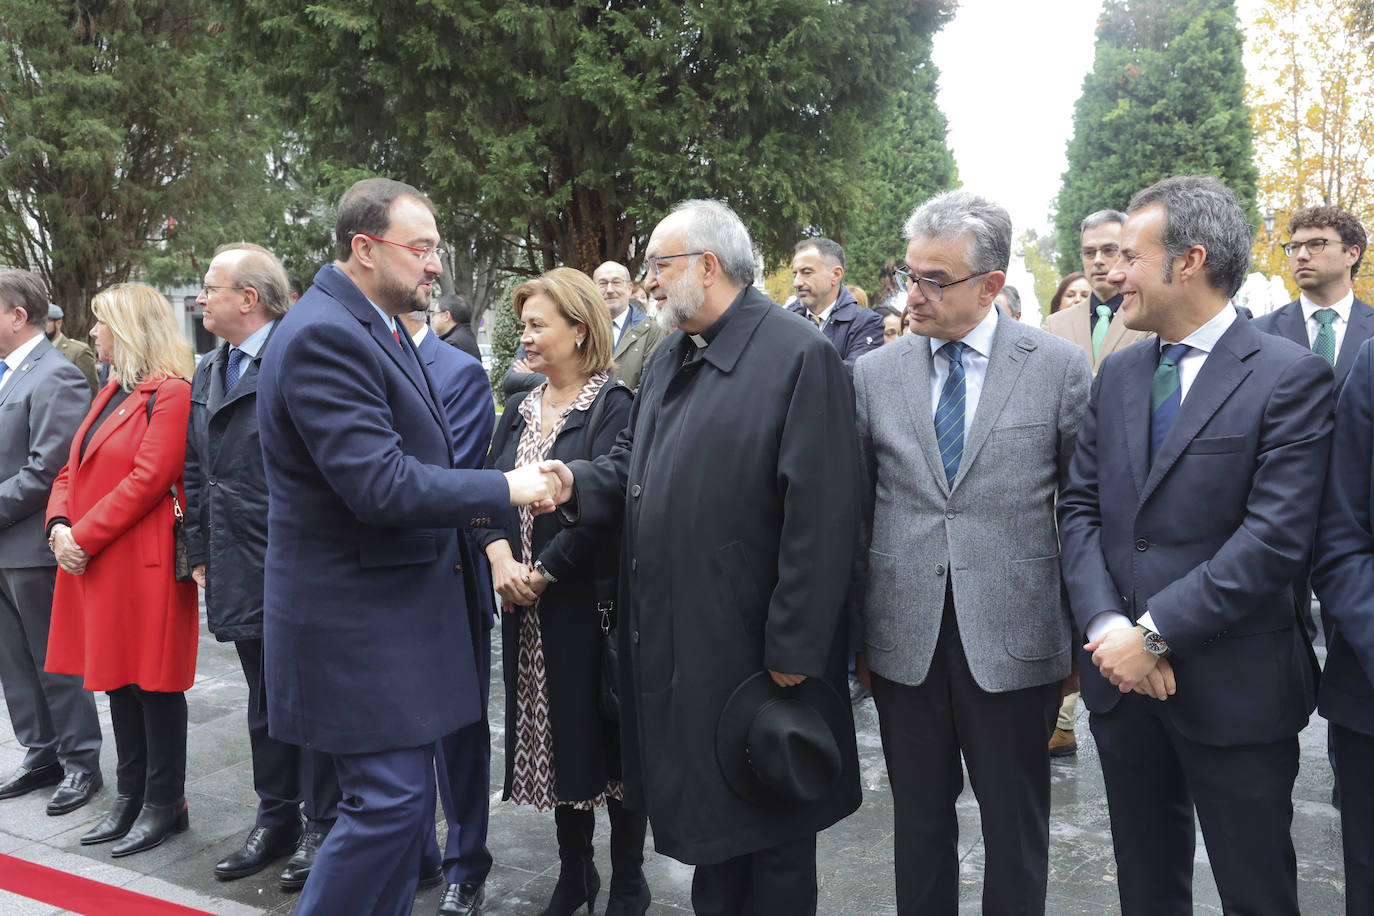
x=234, y=369
x=1325, y=343
x=949, y=411
x=1166, y=395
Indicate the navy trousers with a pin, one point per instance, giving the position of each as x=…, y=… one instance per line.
x=370, y=862
x=1352, y=753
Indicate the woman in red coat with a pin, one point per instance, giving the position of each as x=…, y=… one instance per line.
x=120, y=619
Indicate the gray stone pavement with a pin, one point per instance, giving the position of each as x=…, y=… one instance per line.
x=854, y=857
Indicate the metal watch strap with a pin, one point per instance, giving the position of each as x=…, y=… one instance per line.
x=539, y=568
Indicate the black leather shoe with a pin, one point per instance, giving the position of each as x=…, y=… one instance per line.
x=116, y=822
x=25, y=780
x=74, y=791
x=153, y=825
x=302, y=860
x=263, y=847
x=462, y=900
x=432, y=878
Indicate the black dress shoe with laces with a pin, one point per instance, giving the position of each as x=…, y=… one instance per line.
x=302, y=860
x=25, y=779
x=116, y=822
x=263, y=846
x=74, y=791
x=462, y=900
x=432, y=877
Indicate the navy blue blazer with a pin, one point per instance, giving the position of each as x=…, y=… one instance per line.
x=1343, y=574
x=1288, y=322
x=852, y=329
x=1210, y=538
x=366, y=629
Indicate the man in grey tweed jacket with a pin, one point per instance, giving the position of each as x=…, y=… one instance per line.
x=967, y=427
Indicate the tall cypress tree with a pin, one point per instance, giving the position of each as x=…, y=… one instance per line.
x=1166, y=96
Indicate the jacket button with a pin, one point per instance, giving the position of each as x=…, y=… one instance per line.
x=214, y=482
x=1142, y=544
x=634, y=637
x=635, y=490
x=950, y=513
x=457, y=567
x=939, y=569
x=634, y=564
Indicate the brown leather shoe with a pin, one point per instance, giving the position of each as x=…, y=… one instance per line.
x=1063, y=743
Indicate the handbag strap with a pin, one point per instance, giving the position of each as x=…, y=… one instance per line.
x=605, y=578
x=176, y=503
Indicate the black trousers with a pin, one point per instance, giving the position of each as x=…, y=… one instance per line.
x=1155, y=778
x=781, y=879
x=1352, y=753
x=1004, y=738
x=150, y=739
x=284, y=775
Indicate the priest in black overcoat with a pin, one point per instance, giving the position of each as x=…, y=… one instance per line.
x=737, y=484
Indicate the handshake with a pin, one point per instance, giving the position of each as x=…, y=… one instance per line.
x=542, y=487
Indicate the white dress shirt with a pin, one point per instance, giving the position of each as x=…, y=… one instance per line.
x=17, y=357
x=618, y=325
x=419, y=335
x=252, y=344
x=1202, y=341
x=979, y=347
x=1337, y=327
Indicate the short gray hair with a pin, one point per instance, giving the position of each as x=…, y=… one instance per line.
x=710, y=225
x=962, y=213
x=1200, y=210
x=260, y=269
x=1013, y=300
x=1093, y=220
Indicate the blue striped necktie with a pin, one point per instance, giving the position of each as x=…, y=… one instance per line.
x=949, y=411
x=1166, y=395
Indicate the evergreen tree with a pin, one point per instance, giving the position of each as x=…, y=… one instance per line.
x=130, y=140
x=560, y=132
x=907, y=162
x=1166, y=96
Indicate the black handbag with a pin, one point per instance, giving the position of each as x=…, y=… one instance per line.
x=181, y=558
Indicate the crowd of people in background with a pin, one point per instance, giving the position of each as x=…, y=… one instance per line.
x=708, y=524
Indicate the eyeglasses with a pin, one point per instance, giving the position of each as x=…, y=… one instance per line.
x=933, y=290
x=655, y=260
x=1108, y=252
x=207, y=288
x=607, y=284
x=424, y=254
x=1313, y=246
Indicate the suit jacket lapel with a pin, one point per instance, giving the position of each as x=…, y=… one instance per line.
x=1221, y=374
x=1291, y=324
x=1115, y=332
x=214, y=399
x=1359, y=328
x=915, y=390
x=18, y=376
x=133, y=406
x=1009, y=350
x=1080, y=327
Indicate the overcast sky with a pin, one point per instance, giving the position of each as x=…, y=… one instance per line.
x=1010, y=73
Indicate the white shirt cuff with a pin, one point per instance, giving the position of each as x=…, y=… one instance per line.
x=1105, y=622
x=1148, y=623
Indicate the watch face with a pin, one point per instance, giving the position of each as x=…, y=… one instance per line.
x=1154, y=643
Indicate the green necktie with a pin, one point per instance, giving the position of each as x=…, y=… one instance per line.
x=1325, y=344
x=1104, y=320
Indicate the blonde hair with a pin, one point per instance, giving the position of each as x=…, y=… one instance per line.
x=579, y=302
x=859, y=295
x=147, y=341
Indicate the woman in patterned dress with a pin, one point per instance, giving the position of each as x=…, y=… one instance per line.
x=560, y=752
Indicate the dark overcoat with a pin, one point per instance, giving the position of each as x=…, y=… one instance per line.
x=367, y=632
x=226, y=495
x=852, y=329
x=737, y=484
x=585, y=746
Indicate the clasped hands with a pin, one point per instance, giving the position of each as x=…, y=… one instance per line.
x=1122, y=658
x=69, y=554
x=543, y=486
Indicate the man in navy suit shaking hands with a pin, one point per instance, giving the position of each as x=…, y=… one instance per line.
x=1189, y=511
x=367, y=635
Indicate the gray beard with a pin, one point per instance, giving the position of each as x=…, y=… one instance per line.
x=685, y=299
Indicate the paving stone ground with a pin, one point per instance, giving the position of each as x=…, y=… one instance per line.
x=854, y=857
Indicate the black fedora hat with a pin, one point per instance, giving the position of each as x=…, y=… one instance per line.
x=780, y=744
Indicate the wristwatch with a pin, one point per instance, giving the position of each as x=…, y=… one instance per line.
x=539, y=568
x=1154, y=643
